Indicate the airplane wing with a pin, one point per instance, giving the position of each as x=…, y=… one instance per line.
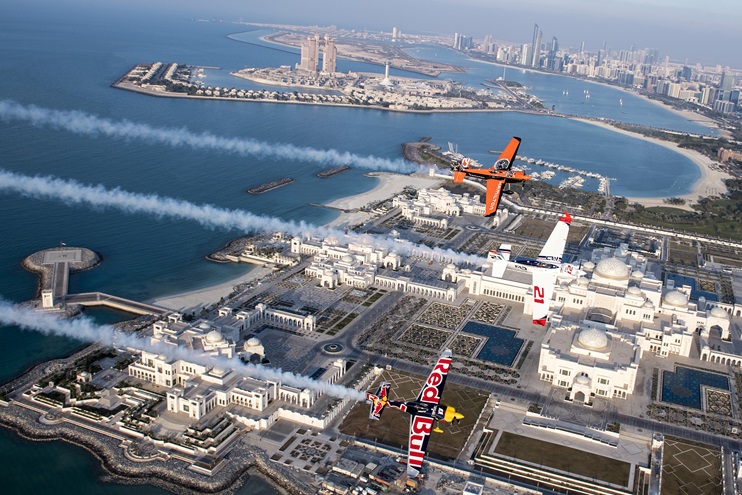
x=433, y=388
x=553, y=250
x=420, y=429
x=422, y=426
x=543, y=290
x=493, y=195
x=507, y=157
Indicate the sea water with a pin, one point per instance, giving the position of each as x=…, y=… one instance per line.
x=65, y=57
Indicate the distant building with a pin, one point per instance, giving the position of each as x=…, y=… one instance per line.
x=329, y=56
x=536, y=46
x=310, y=55
x=724, y=155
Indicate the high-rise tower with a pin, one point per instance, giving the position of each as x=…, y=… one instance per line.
x=329, y=57
x=310, y=54
x=536, y=46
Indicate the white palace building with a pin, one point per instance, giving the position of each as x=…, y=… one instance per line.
x=601, y=322
x=194, y=389
x=604, y=321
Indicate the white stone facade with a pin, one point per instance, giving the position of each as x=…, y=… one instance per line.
x=589, y=359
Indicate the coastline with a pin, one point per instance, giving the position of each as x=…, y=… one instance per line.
x=390, y=184
x=686, y=114
x=195, y=299
x=711, y=182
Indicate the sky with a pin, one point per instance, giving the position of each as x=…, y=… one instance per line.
x=688, y=31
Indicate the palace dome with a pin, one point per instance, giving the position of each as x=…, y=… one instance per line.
x=588, y=266
x=214, y=337
x=634, y=291
x=253, y=341
x=717, y=312
x=648, y=304
x=612, y=268
x=637, y=274
x=676, y=298
x=593, y=339
x=582, y=379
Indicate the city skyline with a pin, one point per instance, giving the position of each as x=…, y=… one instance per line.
x=689, y=32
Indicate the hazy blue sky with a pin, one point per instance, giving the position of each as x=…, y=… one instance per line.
x=708, y=32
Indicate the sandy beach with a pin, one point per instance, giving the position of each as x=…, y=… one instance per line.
x=711, y=182
x=390, y=184
x=196, y=299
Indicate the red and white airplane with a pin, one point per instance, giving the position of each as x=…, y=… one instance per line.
x=544, y=269
x=425, y=411
x=496, y=177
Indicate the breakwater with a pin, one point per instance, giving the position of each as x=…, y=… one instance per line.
x=269, y=186
x=332, y=171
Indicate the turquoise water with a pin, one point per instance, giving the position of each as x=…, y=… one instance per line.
x=65, y=57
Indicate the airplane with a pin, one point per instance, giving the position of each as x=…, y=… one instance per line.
x=544, y=269
x=496, y=177
x=426, y=411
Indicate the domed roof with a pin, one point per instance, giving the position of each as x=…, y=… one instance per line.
x=634, y=291
x=717, y=312
x=582, y=281
x=588, y=265
x=593, y=338
x=347, y=258
x=582, y=379
x=612, y=268
x=637, y=274
x=214, y=337
x=676, y=298
x=648, y=304
x=253, y=341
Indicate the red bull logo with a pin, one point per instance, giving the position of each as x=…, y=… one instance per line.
x=431, y=391
x=419, y=430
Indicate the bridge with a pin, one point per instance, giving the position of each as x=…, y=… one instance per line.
x=102, y=299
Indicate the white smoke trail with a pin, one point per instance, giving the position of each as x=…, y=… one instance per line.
x=86, y=330
x=72, y=192
x=90, y=125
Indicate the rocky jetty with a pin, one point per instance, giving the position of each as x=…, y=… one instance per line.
x=269, y=186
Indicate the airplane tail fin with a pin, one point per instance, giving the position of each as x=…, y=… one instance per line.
x=458, y=176
x=553, y=250
x=378, y=400
x=543, y=291
x=505, y=250
x=507, y=157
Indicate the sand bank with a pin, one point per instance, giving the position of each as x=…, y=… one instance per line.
x=198, y=298
x=390, y=184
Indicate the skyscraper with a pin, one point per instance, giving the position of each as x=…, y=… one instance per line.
x=551, y=58
x=329, y=56
x=310, y=55
x=725, y=86
x=536, y=46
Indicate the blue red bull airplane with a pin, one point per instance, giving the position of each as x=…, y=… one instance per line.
x=426, y=411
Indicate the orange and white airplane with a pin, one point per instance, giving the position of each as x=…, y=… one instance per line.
x=496, y=177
